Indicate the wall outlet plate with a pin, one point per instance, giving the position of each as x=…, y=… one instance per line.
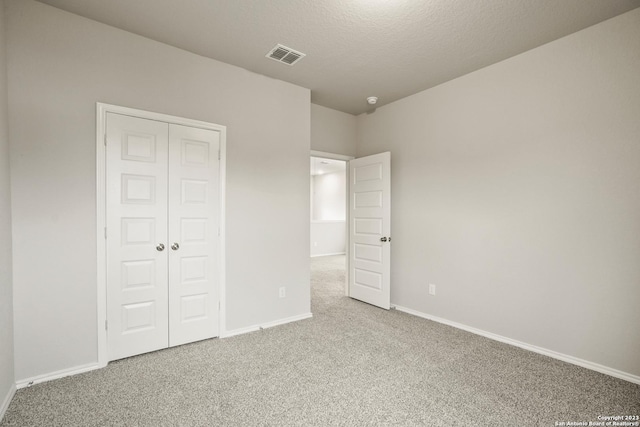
x=432, y=289
x=282, y=292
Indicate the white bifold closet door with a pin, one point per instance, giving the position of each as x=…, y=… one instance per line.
x=162, y=234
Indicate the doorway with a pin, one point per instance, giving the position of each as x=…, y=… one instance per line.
x=328, y=218
x=328, y=186
x=368, y=229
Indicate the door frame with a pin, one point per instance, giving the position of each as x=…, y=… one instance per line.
x=346, y=159
x=101, y=215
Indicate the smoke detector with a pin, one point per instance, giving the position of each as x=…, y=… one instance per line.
x=372, y=100
x=284, y=54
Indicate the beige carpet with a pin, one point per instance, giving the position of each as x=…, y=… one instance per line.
x=351, y=364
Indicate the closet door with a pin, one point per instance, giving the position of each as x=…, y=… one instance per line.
x=137, y=264
x=193, y=233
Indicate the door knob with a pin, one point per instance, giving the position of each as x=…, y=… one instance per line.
x=175, y=246
x=383, y=239
x=160, y=247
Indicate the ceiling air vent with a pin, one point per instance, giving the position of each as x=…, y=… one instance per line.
x=285, y=55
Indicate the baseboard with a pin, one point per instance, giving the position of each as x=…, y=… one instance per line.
x=540, y=350
x=57, y=374
x=254, y=328
x=337, y=253
x=7, y=400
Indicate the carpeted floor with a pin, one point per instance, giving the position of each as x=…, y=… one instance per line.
x=351, y=364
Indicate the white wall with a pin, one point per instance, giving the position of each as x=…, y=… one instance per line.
x=329, y=196
x=516, y=191
x=328, y=238
x=328, y=204
x=60, y=65
x=7, y=380
x=333, y=131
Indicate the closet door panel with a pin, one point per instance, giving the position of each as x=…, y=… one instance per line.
x=136, y=201
x=193, y=209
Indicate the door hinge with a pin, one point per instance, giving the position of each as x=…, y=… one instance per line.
x=105, y=139
x=105, y=232
x=218, y=231
x=218, y=154
x=106, y=325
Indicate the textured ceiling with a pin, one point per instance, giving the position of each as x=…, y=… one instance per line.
x=355, y=48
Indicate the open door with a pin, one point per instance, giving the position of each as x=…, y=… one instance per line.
x=370, y=229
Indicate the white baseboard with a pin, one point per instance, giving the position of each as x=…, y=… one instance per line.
x=254, y=328
x=57, y=374
x=337, y=253
x=7, y=400
x=553, y=354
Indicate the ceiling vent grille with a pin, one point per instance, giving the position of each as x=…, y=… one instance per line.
x=285, y=55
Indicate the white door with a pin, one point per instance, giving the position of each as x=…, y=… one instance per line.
x=162, y=234
x=193, y=233
x=370, y=229
x=137, y=265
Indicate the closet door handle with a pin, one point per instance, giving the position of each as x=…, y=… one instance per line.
x=175, y=246
x=160, y=247
x=383, y=239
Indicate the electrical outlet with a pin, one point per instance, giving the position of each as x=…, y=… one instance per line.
x=432, y=289
x=282, y=292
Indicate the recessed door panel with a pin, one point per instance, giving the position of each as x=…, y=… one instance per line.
x=138, y=274
x=138, y=147
x=368, y=279
x=193, y=269
x=367, y=172
x=370, y=226
x=193, y=231
x=195, y=153
x=193, y=192
x=138, y=189
x=193, y=307
x=138, y=317
x=368, y=199
x=362, y=252
x=138, y=231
